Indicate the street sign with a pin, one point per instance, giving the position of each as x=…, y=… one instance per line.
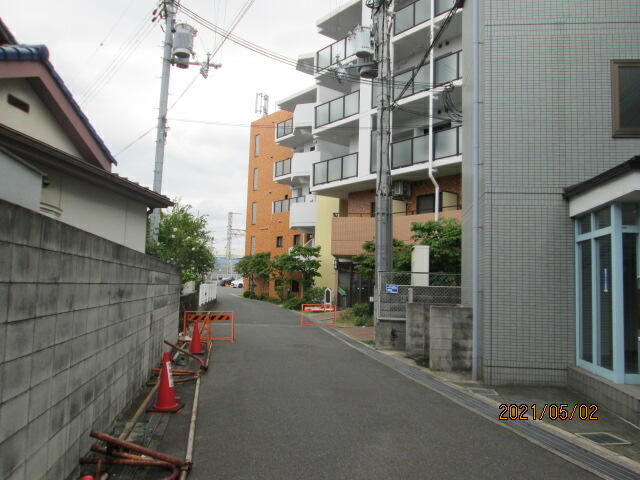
x=392, y=288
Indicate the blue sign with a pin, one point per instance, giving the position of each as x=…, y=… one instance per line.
x=392, y=288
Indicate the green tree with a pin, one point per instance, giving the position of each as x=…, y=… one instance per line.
x=301, y=263
x=255, y=267
x=183, y=240
x=444, y=238
x=365, y=262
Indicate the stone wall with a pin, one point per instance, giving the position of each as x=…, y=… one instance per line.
x=82, y=320
x=450, y=339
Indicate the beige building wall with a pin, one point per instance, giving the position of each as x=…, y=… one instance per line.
x=95, y=210
x=39, y=123
x=325, y=208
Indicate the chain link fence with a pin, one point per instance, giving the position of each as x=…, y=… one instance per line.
x=396, y=289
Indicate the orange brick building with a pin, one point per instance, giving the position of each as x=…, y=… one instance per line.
x=267, y=227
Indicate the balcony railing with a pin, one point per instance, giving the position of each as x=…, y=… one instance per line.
x=337, y=109
x=419, y=12
x=335, y=169
x=282, y=206
x=283, y=167
x=448, y=69
x=332, y=53
x=446, y=143
x=284, y=128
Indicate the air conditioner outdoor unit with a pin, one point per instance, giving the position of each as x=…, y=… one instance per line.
x=400, y=189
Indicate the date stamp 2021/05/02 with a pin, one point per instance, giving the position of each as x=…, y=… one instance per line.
x=550, y=411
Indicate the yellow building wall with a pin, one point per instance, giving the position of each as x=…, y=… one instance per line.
x=325, y=208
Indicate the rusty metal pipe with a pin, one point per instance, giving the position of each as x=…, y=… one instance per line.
x=137, y=448
x=202, y=364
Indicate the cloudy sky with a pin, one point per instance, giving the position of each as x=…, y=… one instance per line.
x=109, y=55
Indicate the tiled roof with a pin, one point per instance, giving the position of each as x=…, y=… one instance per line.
x=40, y=53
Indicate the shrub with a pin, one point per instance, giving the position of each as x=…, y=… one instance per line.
x=364, y=321
x=360, y=310
x=293, y=303
x=249, y=294
x=315, y=295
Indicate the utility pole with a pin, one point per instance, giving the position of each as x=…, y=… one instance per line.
x=161, y=134
x=231, y=232
x=384, y=219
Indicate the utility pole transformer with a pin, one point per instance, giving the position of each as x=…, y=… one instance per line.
x=384, y=218
x=161, y=134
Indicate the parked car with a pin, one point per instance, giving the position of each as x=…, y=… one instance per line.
x=225, y=282
x=237, y=283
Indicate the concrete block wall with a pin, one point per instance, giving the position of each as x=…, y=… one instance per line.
x=82, y=320
x=417, y=339
x=450, y=341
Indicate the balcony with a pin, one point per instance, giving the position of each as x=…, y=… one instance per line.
x=302, y=214
x=296, y=170
x=335, y=169
x=337, y=51
x=284, y=205
x=419, y=12
x=297, y=130
x=447, y=69
x=348, y=233
x=446, y=143
x=337, y=109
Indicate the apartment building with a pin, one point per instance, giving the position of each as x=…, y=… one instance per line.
x=333, y=133
x=274, y=224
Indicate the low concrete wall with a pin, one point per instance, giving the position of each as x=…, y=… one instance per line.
x=82, y=320
x=417, y=338
x=390, y=334
x=450, y=338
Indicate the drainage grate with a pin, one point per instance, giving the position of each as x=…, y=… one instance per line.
x=592, y=460
x=483, y=391
x=604, y=438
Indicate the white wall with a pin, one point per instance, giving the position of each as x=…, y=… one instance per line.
x=97, y=210
x=19, y=184
x=39, y=123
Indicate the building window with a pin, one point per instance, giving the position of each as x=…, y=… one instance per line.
x=625, y=78
x=426, y=203
x=256, y=173
x=297, y=240
x=372, y=209
x=254, y=213
x=252, y=247
x=279, y=242
x=256, y=150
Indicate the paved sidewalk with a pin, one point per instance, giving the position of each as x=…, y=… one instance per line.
x=364, y=334
x=289, y=402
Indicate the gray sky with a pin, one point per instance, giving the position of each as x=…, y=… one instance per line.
x=205, y=165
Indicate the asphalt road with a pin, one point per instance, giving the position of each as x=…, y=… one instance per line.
x=291, y=402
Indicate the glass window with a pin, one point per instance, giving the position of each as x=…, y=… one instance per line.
x=252, y=247
x=334, y=169
x=286, y=166
x=401, y=152
x=278, y=169
x=421, y=149
x=297, y=240
x=399, y=81
x=446, y=69
x=256, y=173
x=279, y=242
x=631, y=285
x=336, y=109
x=254, y=211
x=446, y=143
x=444, y=5
x=603, y=245
x=629, y=214
x=285, y=205
x=277, y=207
x=322, y=115
x=319, y=173
x=422, y=81
x=426, y=203
x=350, y=166
x=256, y=151
x=603, y=218
x=626, y=98
x=403, y=19
x=584, y=223
x=586, y=313
x=422, y=11
x=352, y=104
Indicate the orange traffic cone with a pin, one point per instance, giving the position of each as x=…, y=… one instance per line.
x=196, y=344
x=87, y=477
x=166, y=400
